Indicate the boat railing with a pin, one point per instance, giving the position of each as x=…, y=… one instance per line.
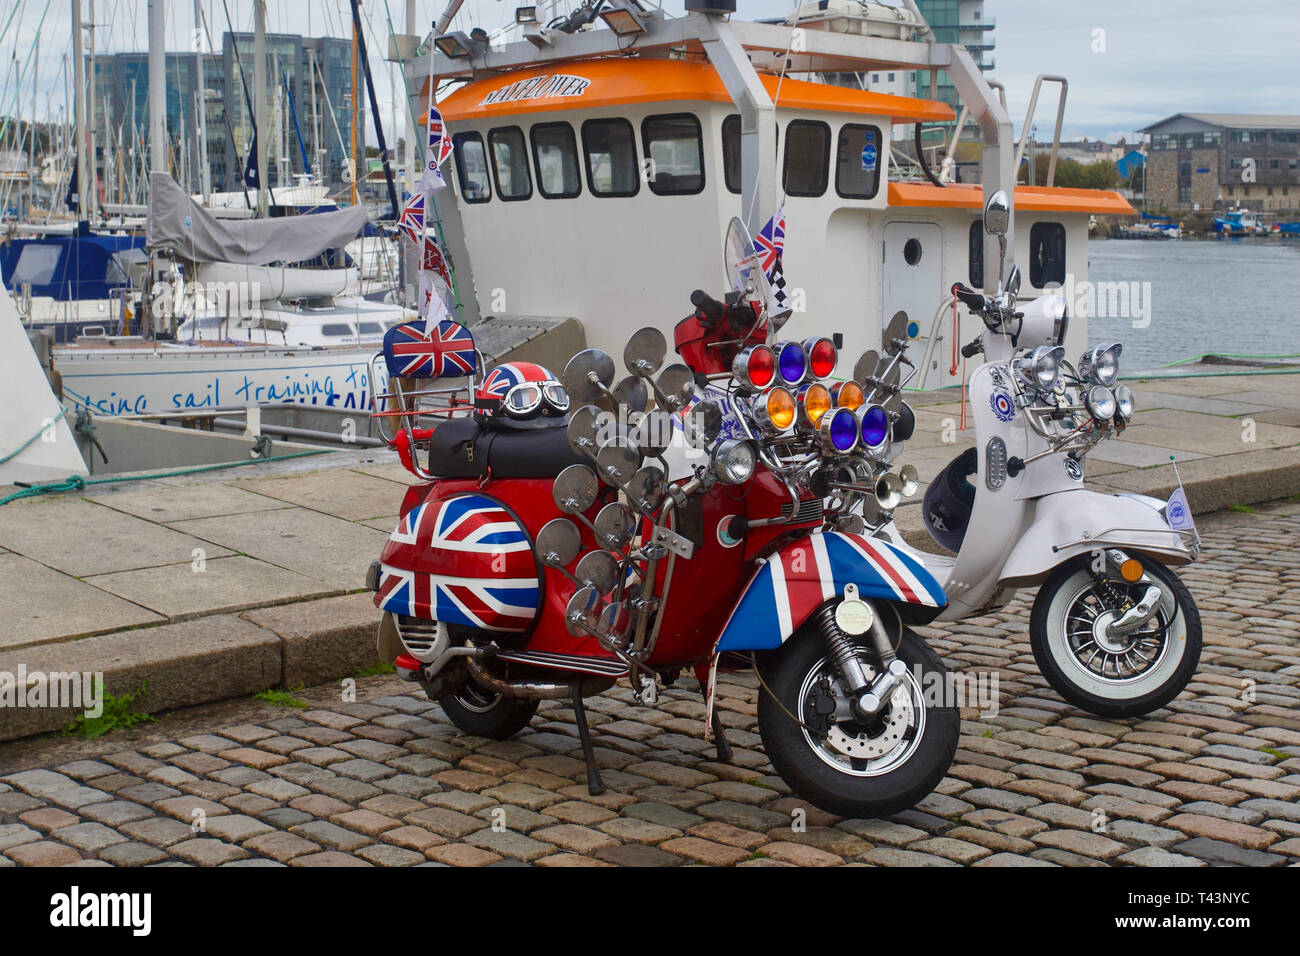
x=1029, y=119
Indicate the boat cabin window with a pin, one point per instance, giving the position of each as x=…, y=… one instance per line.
x=555, y=154
x=336, y=329
x=731, y=151
x=857, y=162
x=609, y=146
x=510, y=163
x=371, y=328
x=36, y=264
x=807, y=156
x=1046, y=254
x=471, y=167
x=975, y=254
x=674, y=146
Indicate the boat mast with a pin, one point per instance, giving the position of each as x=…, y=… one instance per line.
x=200, y=82
x=79, y=109
x=413, y=131
x=259, y=105
x=92, y=205
x=157, y=119
x=353, y=158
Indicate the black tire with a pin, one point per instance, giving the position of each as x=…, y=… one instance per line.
x=483, y=714
x=1114, y=697
x=809, y=770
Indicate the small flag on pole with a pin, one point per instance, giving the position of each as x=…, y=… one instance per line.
x=770, y=246
x=434, y=261
x=411, y=222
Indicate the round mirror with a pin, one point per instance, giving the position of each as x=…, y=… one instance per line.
x=598, y=569
x=997, y=214
x=558, y=543
x=646, y=489
x=581, y=614
x=653, y=433
x=615, y=621
x=702, y=424
x=633, y=394
x=618, y=461
x=575, y=489
x=645, y=351
x=1013, y=281
x=583, y=428
x=615, y=525
x=896, y=333
x=866, y=367
x=579, y=372
x=677, y=384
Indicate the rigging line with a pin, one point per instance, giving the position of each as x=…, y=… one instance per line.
x=26, y=64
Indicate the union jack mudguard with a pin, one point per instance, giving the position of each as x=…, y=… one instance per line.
x=462, y=560
x=793, y=583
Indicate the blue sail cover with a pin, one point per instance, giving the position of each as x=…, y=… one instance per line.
x=66, y=268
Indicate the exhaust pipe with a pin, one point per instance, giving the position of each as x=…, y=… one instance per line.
x=533, y=690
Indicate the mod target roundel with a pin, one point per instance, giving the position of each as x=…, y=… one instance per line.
x=1003, y=407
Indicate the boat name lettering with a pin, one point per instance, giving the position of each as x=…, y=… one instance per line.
x=538, y=88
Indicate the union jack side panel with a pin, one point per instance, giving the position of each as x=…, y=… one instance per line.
x=794, y=582
x=462, y=560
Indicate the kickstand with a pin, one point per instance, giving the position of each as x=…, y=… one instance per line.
x=720, y=737
x=595, y=786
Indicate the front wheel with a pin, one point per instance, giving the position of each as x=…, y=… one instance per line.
x=848, y=768
x=1108, y=674
x=484, y=714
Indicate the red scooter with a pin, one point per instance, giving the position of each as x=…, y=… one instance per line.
x=694, y=516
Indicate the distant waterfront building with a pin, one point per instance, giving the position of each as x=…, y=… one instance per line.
x=316, y=72
x=1213, y=161
x=955, y=21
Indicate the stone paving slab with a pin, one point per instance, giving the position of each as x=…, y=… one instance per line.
x=1212, y=779
x=343, y=493
x=163, y=502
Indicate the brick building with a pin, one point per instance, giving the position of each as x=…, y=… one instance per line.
x=1214, y=161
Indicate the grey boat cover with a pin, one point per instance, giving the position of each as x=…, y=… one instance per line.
x=179, y=224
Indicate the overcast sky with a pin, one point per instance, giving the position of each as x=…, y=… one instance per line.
x=1154, y=58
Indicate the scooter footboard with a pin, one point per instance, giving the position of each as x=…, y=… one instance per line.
x=791, y=584
x=1078, y=522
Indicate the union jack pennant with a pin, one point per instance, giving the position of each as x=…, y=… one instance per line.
x=431, y=299
x=463, y=560
x=434, y=261
x=413, y=352
x=411, y=223
x=436, y=150
x=770, y=246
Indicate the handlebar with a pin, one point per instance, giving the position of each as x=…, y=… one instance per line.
x=711, y=308
x=972, y=349
x=975, y=301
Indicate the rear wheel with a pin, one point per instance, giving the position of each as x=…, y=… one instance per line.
x=846, y=767
x=485, y=714
x=1114, y=675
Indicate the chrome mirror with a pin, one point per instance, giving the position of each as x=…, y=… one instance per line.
x=997, y=214
x=646, y=488
x=865, y=370
x=702, y=424
x=645, y=351
x=615, y=526
x=653, y=433
x=558, y=543
x=588, y=376
x=575, y=489
x=896, y=333
x=581, y=613
x=618, y=461
x=677, y=386
x=631, y=393
x=598, y=569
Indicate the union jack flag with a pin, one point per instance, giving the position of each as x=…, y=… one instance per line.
x=434, y=261
x=463, y=560
x=411, y=222
x=770, y=246
x=413, y=352
x=796, y=581
x=505, y=377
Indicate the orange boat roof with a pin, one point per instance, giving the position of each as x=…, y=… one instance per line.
x=594, y=83
x=1028, y=198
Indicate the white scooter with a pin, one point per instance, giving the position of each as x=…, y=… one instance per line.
x=1113, y=629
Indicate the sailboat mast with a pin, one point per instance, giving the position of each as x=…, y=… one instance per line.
x=157, y=121
x=259, y=105
x=353, y=157
x=200, y=82
x=79, y=110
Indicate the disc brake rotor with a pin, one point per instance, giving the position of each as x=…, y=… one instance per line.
x=857, y=742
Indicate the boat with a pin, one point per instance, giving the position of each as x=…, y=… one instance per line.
x=1240, y=222
x=593, y=185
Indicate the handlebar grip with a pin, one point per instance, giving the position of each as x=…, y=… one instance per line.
x=711, y=307
x=972, y=349
x=969, y=297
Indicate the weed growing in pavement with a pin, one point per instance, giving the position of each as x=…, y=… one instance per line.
x=281, y=698
x=377, y=668
x=1242, y=509
x=1274, y=752
x=117, y=713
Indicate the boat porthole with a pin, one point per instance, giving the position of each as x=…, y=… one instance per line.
x=912, y=251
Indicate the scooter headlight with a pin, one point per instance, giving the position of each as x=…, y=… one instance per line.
x=839, y=431
x=874, y=426
x=1124, y=402
x=1041, y=368
x=847, y=395
x=822, y=356
x=814, y=403
x=775, y=411
x=734, y=461
x=1100, y=364
x=791, y=363
x=1101, y=403
x=754, y=368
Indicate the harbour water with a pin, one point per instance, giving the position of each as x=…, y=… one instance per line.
x=1227, y=296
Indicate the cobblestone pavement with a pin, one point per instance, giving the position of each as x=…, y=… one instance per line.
x=1212, y=779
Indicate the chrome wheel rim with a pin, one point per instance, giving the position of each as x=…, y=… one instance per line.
x=860, y=751
x=1116, y=660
